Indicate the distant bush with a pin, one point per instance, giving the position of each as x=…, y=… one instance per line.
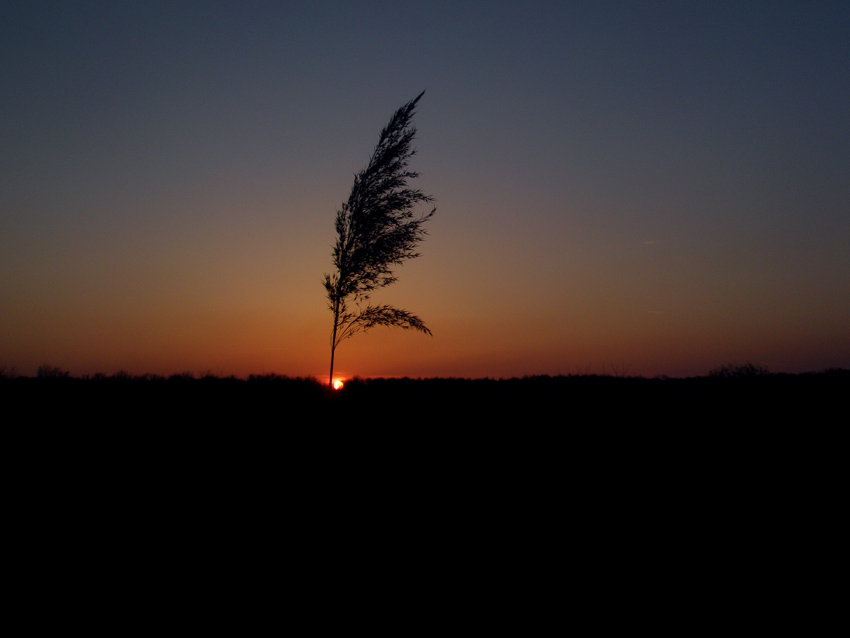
x=182, y=376
x=734, y=370
x=51, y=372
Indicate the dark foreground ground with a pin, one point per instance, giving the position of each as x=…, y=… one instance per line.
x=535, y=424
x=458, y=492
x=420, y=409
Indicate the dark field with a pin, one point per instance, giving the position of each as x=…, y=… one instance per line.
x=425, y=429
x=296, y=406
x=466, y=490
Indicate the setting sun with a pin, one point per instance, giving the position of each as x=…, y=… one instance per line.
x=338, y=383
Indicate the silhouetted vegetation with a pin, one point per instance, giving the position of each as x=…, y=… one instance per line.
x=742, y=397
x=748, y=369
x=51, y=372
x=376, y=230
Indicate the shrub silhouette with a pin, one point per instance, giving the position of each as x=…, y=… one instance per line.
x=51, y=372
x=732, y=370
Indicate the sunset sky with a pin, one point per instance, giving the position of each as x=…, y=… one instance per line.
x=649, y=188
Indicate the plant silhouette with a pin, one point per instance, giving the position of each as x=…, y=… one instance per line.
x=376, y=230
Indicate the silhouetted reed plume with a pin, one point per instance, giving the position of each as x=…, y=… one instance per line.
x=376, y=230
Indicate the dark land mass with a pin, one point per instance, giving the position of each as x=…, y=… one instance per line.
x=427, y=431
x=305, y=407
x=548, y=418
x=474, y=487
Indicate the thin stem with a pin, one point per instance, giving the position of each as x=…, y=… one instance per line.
x=333, y=344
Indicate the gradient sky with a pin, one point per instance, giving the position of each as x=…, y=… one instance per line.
x=655, y=188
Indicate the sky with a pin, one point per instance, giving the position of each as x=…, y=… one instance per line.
x=642, y=188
